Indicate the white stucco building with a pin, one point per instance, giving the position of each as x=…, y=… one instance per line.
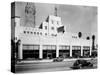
x=49, y=40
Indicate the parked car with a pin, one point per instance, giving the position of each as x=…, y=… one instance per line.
x=58, y=59
x=80, y=63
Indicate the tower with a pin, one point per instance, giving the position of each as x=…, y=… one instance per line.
x=30, y=14
x=55, y=11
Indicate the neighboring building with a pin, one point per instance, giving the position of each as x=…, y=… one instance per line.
x=48, y=41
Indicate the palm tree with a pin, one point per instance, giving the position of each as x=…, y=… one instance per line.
x=79, y=34
x=93, y=42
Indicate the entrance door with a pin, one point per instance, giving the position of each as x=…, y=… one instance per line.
x=49, y=55
x=49, y=51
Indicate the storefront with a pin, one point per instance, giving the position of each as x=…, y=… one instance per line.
x=86, y=51
x=40, y=43
x=64, y=51
x=30, y=51
x=49, y=51
x=76, y=51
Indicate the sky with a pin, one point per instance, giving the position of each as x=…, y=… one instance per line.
x=76, y=18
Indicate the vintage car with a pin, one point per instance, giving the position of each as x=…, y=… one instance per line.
x=81, y=63
x=58, y=59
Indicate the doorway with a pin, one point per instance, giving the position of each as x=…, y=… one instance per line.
x=49, y=54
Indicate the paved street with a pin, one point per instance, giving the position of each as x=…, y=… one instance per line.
x=37, y=67
x=45, y=66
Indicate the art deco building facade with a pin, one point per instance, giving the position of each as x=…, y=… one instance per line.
x=49, y=40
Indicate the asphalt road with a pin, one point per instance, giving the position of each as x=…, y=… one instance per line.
x=44, y=67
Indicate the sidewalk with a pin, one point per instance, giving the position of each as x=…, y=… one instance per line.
x=49, y=60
